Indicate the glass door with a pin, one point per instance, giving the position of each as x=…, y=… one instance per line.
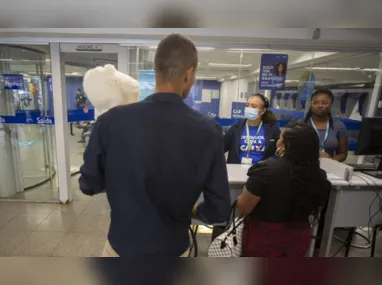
x=78, y=59
x=26, y=133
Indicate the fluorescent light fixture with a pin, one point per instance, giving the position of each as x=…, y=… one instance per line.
x=198, y=48
x=345, y=68
x=372, y=69
x=221, y=79
x=232, y=65
x=206, y=77
x=246, y=50
x=6, y=59
x=335, y=68
x=233, y=77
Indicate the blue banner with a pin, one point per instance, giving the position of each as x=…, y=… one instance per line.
x=13, y=82
x=146, y=83
x=32, y=117
x=237, y=111
x=273, y=71
x=79, y=115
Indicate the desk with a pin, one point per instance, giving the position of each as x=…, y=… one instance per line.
x=348, y=206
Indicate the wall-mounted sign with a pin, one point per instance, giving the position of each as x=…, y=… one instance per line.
x=238, y=110
x=13, y=82
x=89, y=47
x=273, y=71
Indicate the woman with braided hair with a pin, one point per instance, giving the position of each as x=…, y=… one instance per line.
x=281, y=194
x=333, y=134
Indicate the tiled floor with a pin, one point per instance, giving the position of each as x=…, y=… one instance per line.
x=78, y=229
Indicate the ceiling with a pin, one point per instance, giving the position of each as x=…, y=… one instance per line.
x=24, y=60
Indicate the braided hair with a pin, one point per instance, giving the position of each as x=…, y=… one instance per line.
x=327, y=92
x=268, y=117
x=308, y=182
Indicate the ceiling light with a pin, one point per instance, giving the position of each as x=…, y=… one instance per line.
x=198, y=48
x=233, y=77
x=5, y=59
x=233, y=65
x=254, y=51
x=205, y=78
x=335, y=68
x=221, y=79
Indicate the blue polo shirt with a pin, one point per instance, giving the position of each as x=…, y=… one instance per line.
x=258, y=144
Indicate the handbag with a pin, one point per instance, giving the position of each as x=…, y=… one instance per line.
x=230, y=242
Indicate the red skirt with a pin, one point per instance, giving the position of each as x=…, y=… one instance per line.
x=264, y=239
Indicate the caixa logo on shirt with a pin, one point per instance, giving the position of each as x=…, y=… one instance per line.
x=2, y=120
x=44, y=121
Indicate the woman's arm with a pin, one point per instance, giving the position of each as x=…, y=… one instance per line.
x=247, y=202
x=343, y=141
x=253, y=189
x=342, y=150
x=227, y=139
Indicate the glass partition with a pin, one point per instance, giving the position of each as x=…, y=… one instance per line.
x=227, y=75
x=26, y=131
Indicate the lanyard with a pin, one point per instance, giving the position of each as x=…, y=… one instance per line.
x=326, y=133
x=249, y=141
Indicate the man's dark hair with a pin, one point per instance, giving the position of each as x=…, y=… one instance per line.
x=174, y=56
x=79, y=89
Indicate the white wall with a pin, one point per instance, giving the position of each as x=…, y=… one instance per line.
x=230, y=91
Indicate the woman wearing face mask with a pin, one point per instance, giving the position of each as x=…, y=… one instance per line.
x=333, y=134
x=253, y=139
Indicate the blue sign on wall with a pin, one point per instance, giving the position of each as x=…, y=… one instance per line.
x=13, y=82
x=273, y=71
x=146, y=83
x=237, y=111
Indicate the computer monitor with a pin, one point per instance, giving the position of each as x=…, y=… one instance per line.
x=370, y=139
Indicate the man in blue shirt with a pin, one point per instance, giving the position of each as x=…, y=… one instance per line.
x=154, y=159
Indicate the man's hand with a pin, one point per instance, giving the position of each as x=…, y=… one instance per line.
x=324, y=155
x=194, y=210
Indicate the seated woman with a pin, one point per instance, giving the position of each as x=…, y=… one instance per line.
x=281, y=194
x=333, y=134
x=253, y=139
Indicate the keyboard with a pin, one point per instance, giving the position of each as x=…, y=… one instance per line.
x=375, y=174
x=363, y=167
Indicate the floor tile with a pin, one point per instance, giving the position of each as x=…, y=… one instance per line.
x=76, y=207
x=81, y=245
x=9, y=240
x=92, y=223
x=12, y=207
x=57, y=222
x=26, y=221
x=96, y=207
x=5, y=218
x=39, y=244
x=40, y=208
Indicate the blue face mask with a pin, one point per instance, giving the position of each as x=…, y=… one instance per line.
x=251, y=114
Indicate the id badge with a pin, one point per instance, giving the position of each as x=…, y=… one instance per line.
x=246, y=160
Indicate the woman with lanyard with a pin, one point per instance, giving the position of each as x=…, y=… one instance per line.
x=253, y=139
x=333, y=134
